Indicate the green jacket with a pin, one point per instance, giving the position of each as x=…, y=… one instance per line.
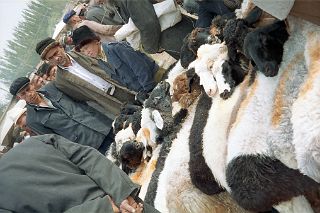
x=103, y=15
x=48, y=173
x=81, y=90
x=75, y=121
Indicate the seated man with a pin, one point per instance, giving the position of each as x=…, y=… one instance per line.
x=49, y=173
x=82, y=78
x=51, y=111
x=144, y=17
x=105, y=31
x=130, y=68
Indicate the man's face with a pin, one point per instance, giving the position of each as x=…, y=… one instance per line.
x=74, y=20
x=57, y=56
x=29, y=94
x=91, y=49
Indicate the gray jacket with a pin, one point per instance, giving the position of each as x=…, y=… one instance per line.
x=48, y=173
x=75, y=121
x=103, y=15
x=152, y=39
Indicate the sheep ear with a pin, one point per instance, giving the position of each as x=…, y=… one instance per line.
x=157, y=119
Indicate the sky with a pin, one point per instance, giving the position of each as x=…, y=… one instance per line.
x=10, y=15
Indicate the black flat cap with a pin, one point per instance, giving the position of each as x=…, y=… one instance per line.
x=68, y=16
x=83, y=35
x=45, y=45
x=18, y=85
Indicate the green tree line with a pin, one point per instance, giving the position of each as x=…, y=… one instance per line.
x=39, y=20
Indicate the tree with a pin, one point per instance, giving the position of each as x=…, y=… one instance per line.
x=39, y=21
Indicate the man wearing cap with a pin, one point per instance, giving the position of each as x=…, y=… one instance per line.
x=106, y=32
x=51, y=111
x=131, y=68
x=49, y=173
x=144, y=17
x=16, y=126
x=82, y=78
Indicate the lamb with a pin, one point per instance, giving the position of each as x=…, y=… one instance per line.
x=305, y=111
x=170, y=188
x=186, y=88
x=208, y=140
x=192, y=42
x=215, y=70
x=263, y=46
x=175, y=192
x=260, y=146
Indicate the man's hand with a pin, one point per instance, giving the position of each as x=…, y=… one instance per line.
x=129, y=205
x=114, y=207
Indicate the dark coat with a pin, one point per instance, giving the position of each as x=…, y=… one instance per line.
x=50, y=174
x=75, y=121
x=79, y=89
x=152, y=39
x=130, y=68
x=103, y=15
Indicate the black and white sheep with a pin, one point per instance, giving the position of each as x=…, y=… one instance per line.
x=261, y=164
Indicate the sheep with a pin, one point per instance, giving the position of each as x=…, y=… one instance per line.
x=186, y=88
x=208, y=140
x=207, y=55
x=305, y=111
x=263, y=45
x=260, y=142
x=192, y=42
x=175, y=191
x=129, y=114
x=215, y=70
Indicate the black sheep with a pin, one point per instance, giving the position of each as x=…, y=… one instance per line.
x=264, y=47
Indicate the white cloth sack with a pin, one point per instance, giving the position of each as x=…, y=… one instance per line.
x=168, y=15
x=277, y=8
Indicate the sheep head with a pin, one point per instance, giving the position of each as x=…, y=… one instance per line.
x=186, y=88
x=159, y=98
x=192, y=42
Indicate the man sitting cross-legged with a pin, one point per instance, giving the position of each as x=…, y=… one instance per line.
x=130, y=68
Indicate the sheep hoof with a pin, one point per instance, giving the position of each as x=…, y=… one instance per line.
x=226, y=94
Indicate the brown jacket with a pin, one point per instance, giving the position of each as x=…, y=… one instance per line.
x=81, y=90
